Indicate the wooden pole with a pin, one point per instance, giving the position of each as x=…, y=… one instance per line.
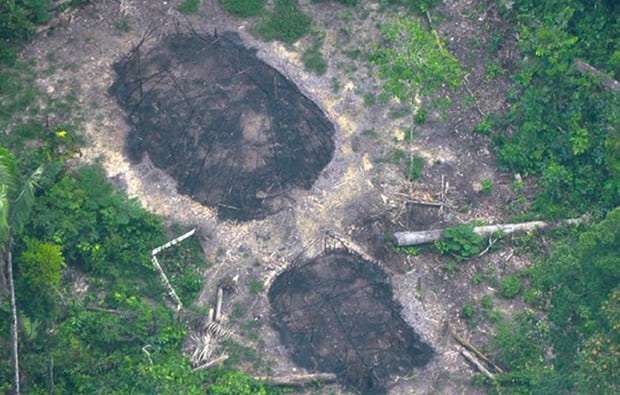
x=173, y=242
x=14, y=325
x=167, y=283
x=218, y=304
x=162, y=274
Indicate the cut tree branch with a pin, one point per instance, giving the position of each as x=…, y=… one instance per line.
x=607, y=81
x=477, y=352
x=429, y=236
x=477, y=364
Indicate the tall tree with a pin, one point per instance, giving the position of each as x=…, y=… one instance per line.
x=15, y=205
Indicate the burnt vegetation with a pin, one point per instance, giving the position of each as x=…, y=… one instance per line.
x=231, y=130
x=337, y=313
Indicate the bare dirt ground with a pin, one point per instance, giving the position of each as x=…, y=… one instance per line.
x=362, y=194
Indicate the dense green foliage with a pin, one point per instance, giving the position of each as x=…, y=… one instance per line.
x=243, y=8
x=460, y=241
x=563, y=125
x=18, y=19
x=190, y=6
x=286, y=23
x=411, y=61
x=579, y=288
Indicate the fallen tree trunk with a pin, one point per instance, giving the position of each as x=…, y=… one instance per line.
x=477, y=364
x=429, y=236
x=477, y=352
x=604, y=78
x=298, y=380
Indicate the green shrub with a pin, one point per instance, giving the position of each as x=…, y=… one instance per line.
x=243, y=8
x=486, y=302
x=236, y=383
x=487, y=186
x=420, y=116
x=370, y=99
x=256, y=287
x=313, y=60
x=410, y=61
x=190, y=6
x=510, y=286
x=18, y=20
x=286, y=23
x=409, y=250
x=415, y=167
x=484, y=127
x=468, y=311
x=460, y=241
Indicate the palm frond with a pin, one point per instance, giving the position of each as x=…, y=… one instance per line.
x=7, y=168
x=22, y=205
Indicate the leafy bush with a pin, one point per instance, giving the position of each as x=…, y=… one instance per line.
x=39, y=270
x=486, y=302
x=420, y=116
x=243, y=8
x=410, y=60
x=468, y=311
x=286, y=23
x=190, y=6
x=510, y=286
x=415, y=167
x=236, y=383
x=407, y=250
x=460, y=241
x=487, y=186
x=18, y=20
x=313, y=58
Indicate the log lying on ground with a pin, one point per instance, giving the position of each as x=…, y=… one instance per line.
x=476, y=352
x=605, y=79
x=298, y=380
x=429, y=236
x=477, y=364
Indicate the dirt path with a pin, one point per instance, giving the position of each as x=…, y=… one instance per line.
x=358, y=194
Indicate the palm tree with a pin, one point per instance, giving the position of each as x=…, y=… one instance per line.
x=16, y=201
